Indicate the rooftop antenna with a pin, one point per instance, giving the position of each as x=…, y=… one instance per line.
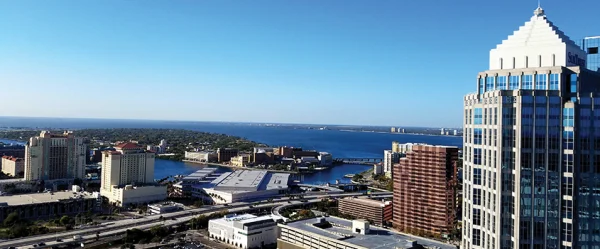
x=539, y=4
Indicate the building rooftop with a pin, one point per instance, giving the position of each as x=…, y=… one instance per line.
x=200, y=174
x=14, y=159
x=242, y=219
x=37, y=198
x=128, y=146
x=249, y=180
x=377, y=238
x=366, y=201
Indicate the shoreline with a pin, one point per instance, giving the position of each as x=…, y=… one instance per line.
x=398, y=133
x=235, y=167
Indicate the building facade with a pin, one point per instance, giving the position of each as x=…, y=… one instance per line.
x=425, y=183
x=389, y=159
x=128, y=176
x=376, y=212
x=54, y=156
x=590, y=46
x=13, y=166
x=244, y=231
x=335, y=233
x=531, y=141
x=225, y=154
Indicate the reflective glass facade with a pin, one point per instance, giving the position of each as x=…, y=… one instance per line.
x=590, y=46
x=532, y=160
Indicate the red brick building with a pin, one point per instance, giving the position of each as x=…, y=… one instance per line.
x=425, y=188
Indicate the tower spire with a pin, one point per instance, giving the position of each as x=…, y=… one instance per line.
x=539, y=11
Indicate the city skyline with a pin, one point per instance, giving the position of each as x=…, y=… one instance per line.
x=316, y=63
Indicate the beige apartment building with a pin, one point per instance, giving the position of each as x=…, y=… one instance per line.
x=128, y=176
x=54, y=156
x=12, y=166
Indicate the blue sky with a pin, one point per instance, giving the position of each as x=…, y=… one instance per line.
x=401, y=63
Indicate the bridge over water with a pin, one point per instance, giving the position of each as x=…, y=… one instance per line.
x=368, y=161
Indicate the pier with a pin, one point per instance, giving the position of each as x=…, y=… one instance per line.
x=366, y=161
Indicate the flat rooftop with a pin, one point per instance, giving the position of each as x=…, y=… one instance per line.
x=200, y=174
x=365, y=201
x=378, y=238
x=27, y=199
x=250, y=180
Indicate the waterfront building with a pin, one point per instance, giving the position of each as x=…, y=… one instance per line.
x=242, y=185
x=455, y=133
x=225, y=154
x=200, y=156
x=240, y=161
x=378, y=213
x=202, y=176
x=590, y=46
x=244, y=231
x=128, y=176
x=377, y=169
x=531, y=165
x=54, y=156
x=443, y=132
x=262, y=155
x=13, y=166
x=162, y=146
x=325, y=159
x=393, y=130
x=425, y=184
x=48, y=205
x=336, y=233
x=395, y=146
x=389, y=159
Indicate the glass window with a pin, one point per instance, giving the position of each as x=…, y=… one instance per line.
x=476, y=196
x=481, y=85
x=540, y=82
x=568, y=140
x=478, y=116
x=573, y=83
x=514, y=82
x=501, y=83
x=477, y=134
x=568, y=117
x=527, y=83
x=477, y=156
x=476, y=216
x=489, y=83
x=554, y=85
x=477, y=176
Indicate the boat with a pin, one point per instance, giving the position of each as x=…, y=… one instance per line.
x=349, y=175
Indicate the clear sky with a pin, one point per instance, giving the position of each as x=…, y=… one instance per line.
x=401, y=63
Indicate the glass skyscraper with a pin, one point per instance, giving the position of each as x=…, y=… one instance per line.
x=532, y=145
x=590, y=46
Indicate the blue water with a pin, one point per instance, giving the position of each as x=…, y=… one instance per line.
x=340, y=144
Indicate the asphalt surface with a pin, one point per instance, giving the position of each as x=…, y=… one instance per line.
x=113, y=228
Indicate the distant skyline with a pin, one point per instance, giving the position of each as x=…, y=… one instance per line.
x=383, y=63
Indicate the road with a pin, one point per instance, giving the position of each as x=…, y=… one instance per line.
x=121, y=226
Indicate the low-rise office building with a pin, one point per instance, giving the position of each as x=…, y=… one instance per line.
x=337, y=233
x=242, y=185
x=13, y=166
x=376, y=212
x=325, y=158
x=200, y=156
x=244, y=231
x=240, y=161
x=48, y=205
x=166, y=207
x=225, y=154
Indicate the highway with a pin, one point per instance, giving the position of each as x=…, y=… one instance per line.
x=117, y=227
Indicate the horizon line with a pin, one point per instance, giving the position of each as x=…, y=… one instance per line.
x=213, y=121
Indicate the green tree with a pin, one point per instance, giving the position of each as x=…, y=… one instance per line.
x=66, y=220
x=11, y=219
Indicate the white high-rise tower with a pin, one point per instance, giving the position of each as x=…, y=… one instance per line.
x=532, y=145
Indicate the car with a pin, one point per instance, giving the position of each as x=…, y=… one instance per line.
x=59, y=240
x=41, y=244
x=226, y=204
